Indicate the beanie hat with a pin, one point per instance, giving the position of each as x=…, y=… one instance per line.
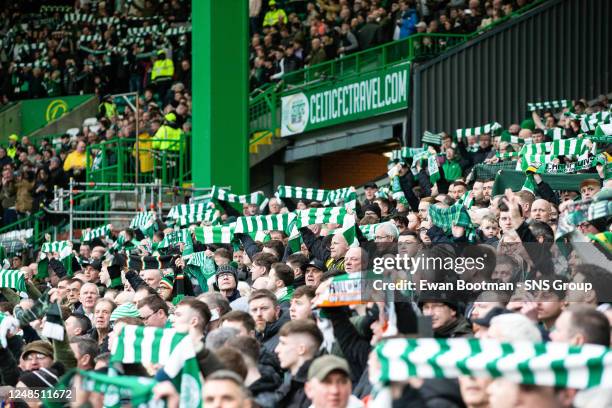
x=226, y=269
x=58, y=268
x=374, y=208
x=124, y=310
x=167, y=281
x=43, y=377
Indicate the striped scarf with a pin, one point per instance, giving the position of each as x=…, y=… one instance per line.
x=432, y=138
x=116, y=389
x=369, y=231
x=406, y=152
x=542, y=364
x=209, y=217
x=432, y=169
x=347, y=195
x=489, y=128
x=329, y=215
x=445, y=218
x=604, y=130
x=590, y=122
x=92, y=234
x=140, y=263
x=184, y=210
x=302, y=193
x=57, y=246
x=176, y=237
x=173, y=350
x=566, y=147
x=145, y=222
x=555, y=133
x=560, y=104
x=257, y=198
x=13, y=279
x=277, y=222
x=65, y=255
x=216, y=234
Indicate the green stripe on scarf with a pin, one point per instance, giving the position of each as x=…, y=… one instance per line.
x=490, y=128
x=560, y=104
x=542, y=364
x=173, y=350
x=445, y=218
x=13, y=279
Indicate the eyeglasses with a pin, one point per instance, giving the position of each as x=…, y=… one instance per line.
x=35, y=356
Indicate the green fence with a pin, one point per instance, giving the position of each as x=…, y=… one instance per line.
x=264, y=106
x=114, y=161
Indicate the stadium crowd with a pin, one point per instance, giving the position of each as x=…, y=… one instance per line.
x=285, y=37
x=88, y=47
x=268, y=306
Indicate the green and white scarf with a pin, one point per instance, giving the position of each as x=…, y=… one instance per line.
x=432, y=169
x=13, y=279
x=560, y=104
x=489, y=128
x=346, y=195
x=173, y=350
x=302, y=193
x=118, y=389
x=145, y=222
x=65, y=255
x=326, y=197
x=432, y=138
x=186, y=210
x=590, y=122
x=566, y=147
x=445, y=218
x=257, y=198
x=406, y=152
x=555, y=133
x=326, y=215
x=369, y=231
x=276, y=222
x=345, y=290
x=216, y=234
x=175, y=237
x=543, y=364
x=90, y=235
x=210, y=217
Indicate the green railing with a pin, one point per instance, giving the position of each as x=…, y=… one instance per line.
x=114, y=161
x=264, y=104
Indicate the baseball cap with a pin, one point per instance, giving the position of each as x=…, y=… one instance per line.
x=317, y=263
x=370, y=184
x=38, y=346
x=324, y=365
x=13, y=137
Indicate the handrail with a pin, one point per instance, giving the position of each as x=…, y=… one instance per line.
x=115, y=161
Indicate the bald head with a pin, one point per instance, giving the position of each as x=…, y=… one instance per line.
x=540, y=210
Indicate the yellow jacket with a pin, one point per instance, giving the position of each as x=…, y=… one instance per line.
x=145, y=156
x=167, y=138
x=272, y=16
x=162, y=69
x=75, y=160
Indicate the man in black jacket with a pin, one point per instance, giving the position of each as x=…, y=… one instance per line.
x=299, y=342
x=268, y=316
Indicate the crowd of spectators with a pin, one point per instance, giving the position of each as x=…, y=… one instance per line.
x=256, y=310
x=287, y=36
x=32, y=169
x=84, y=47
